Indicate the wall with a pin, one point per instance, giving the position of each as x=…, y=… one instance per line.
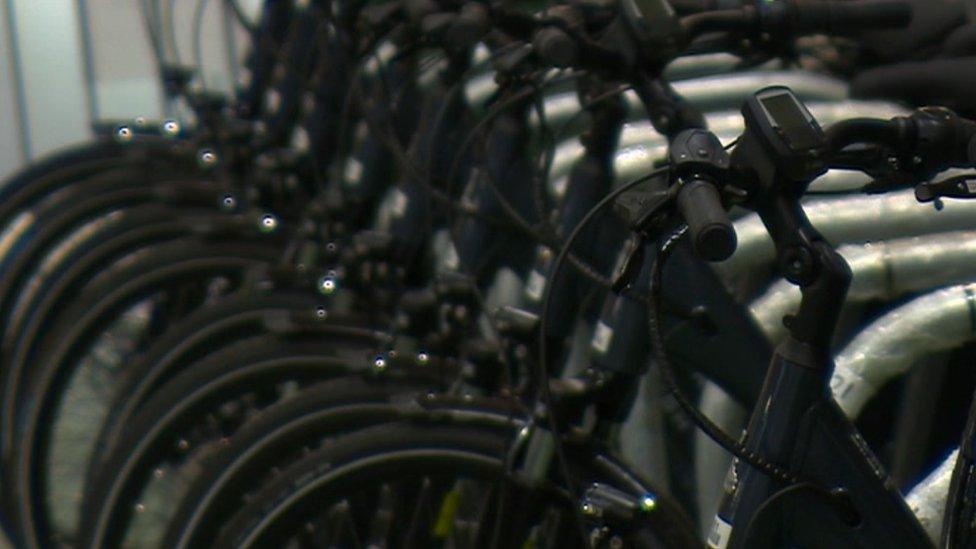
x=66, y=63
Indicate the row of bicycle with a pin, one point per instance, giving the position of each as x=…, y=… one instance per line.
x=452, y=273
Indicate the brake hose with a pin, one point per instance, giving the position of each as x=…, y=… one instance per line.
x=723, y=439
x=542, y=370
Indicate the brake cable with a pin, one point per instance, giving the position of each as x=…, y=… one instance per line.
x=723, y=439
x=542, y=373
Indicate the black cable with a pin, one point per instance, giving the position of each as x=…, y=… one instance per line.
x=723, y=439
x=242, y=19
x=542, y=373
x=198, y=13
x=549, y=240
x=153, y=32
x=170, y=30
x=540, y=173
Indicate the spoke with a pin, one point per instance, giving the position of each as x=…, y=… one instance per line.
x=383, y=516
x=418, y=532
x=482, y=528
x=549, y=531
x=339, y=520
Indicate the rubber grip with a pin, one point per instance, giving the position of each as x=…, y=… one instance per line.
x=712, y=234
x=836, y=17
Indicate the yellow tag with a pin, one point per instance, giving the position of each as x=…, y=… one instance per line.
x=445, y=518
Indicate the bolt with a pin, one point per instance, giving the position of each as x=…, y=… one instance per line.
x=123, y=134
x=207, y=158
x=327, y=285
x=171, y=128
x=268, y=223
x=588, y=509
x=648, y=503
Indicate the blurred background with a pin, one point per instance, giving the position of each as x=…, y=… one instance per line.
x=51, y=49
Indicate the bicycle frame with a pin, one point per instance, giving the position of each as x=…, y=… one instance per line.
x=840, y=494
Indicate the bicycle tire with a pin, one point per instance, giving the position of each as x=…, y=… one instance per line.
x=275, y=438
x=408, y=449
x=131, y=281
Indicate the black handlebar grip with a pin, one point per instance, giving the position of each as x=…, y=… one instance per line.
x=712, y=234
x=843, y=17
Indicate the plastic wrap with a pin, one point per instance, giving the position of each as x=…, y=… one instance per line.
x=852, y=219
x=890, y=345
x=882, y=270
x=928, y=498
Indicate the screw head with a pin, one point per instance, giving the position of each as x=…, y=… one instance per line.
x=207, y=158
x=268, y=223
x=648, y=503
x=124, y=134
x=171, y=128
x=327, y=285
x=588, y=509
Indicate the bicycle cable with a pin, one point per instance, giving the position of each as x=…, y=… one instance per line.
x=723, y=439
x=542, y=373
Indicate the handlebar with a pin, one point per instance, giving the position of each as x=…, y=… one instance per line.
x=934, y=138
x=710, y=229
x=833, y=17
x=795, y=18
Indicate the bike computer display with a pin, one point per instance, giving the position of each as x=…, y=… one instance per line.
x=787, y=131
x=791, y=121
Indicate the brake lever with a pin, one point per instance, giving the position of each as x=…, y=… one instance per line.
x=885, y=168
x=642, y=210
x=960, y=186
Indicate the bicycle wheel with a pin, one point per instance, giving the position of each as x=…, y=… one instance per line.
x=72, y=167
x=414, y=484
x=74, y=263
x=127, y=477
x=196, y=413
x=68, y=216
x=237, y=317
x=55, y=356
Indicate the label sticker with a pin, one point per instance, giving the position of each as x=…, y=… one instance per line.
x=601, y=337
x=353, y=172
x=451, y=261
x=535, y=286
x=721, y=532
x=400, y=200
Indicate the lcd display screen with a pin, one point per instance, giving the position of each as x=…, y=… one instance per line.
x=787, y=115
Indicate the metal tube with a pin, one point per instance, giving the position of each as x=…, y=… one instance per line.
x=852, y=219
x=890, y=345
x=709, y=93
x=882, y=270
x=928, y=498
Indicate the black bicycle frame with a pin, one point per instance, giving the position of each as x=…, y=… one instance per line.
x=844, y=497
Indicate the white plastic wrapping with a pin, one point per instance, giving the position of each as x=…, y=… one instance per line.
x=890, y=345
x=928, y=498
x=853, y=219
x=882, y=270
